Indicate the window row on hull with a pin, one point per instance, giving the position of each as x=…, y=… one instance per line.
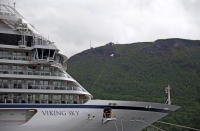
x=42, y=98
x=33, y=55
x=25, y=56
x=42, y=70
x=40, y=73
x=38, y=84
x=14, y=39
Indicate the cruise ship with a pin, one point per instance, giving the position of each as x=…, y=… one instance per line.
x=37, y=94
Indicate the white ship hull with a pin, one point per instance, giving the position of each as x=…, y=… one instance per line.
x=130, y=116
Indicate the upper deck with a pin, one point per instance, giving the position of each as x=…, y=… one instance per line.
x=31, y=68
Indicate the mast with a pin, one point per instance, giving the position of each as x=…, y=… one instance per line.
x=167, y=90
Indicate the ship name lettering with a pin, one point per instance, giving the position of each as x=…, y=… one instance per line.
x=73, y=113
x=60, y=113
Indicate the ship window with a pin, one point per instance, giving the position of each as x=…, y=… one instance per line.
x=17, y=69
x=14, y=67
x=31, y=98
x=3, y=54
x=39, y=53
x=4, y=69
x=56, y=99
x=69, y=86
x=37, y=98
x=31, y=84
x=44, y=84
x=51, y=53
x=3, y=83
x=19, y=56
x=82, y=99
x=4, y=98
x=24, y=98
x=50, y=99
x=40, y=41
x=17, y=98
x=45, y=54
x=63, y=99
x=57, y=85
x=72, y=86
x=67, y=99
x=1, y=98
x=30, y=70
x=45, y=71
x=17, y=84
x=9, y=100
x=29, y=40
x=76, y=99
x=46, y=68
x=71, y=98
x=44, y=98
x=60, y=59
x=5, y=66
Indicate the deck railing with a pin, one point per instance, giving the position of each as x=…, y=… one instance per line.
x=24, y=72
x=11, y=57
x=40, y=87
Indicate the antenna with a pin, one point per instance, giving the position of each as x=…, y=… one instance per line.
x=167, y=91
x=14, y=4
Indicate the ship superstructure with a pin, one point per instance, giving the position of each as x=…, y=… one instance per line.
x=31, y=68
x=36, y=92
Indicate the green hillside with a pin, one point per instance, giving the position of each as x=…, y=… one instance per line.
x=141, y=71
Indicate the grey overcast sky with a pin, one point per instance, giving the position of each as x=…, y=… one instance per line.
x=72, y=24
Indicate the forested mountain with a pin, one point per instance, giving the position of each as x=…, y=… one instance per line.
x=141, y=71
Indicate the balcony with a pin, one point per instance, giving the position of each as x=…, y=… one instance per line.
x=10, y=57
x=21, y=98
x=24, y=59
x=40, y=87
x=40, y=73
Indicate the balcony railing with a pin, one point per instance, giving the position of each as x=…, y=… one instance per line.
x=25, y=58
x=41, y=73
x=41, y=87
x=26, y=100
x=33, y=98
x=9, y=57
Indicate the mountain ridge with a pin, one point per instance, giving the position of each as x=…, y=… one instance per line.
x=156, y=42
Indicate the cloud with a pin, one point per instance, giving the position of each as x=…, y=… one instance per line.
x=72, y=24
